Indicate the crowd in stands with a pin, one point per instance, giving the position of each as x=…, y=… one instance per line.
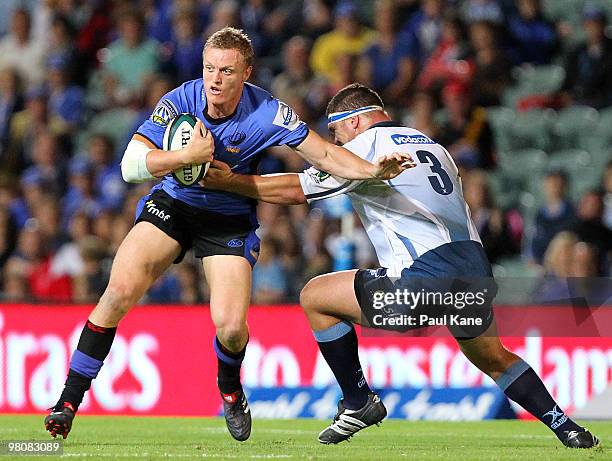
x=77, y=77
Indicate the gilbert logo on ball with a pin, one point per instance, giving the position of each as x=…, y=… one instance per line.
x=177, y=135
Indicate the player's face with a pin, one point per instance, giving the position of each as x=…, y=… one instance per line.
x=224, y=75
x=343, y=131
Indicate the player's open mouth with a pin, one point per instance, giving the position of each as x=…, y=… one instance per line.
x=215, y=90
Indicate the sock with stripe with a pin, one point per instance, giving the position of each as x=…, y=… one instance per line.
x=338, y=345
x=93, y=347
x=521, y=384
x=228, y=366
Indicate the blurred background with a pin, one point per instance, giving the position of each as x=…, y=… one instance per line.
x=520, y=92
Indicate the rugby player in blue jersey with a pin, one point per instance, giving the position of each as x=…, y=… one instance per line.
x=241, y=121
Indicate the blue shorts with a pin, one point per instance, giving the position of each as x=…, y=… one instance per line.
x=451, y=285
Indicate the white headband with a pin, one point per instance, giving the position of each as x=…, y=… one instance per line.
x=338, y=116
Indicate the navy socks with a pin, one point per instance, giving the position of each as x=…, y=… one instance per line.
x=94, y=345
x=521, y=384
x=338, y=345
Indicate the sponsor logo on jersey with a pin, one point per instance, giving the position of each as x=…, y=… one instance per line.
x=236, y=138
x=233, y=141
x=235, y=243
x=400, y=139
x=286, y=117
x=319, y=176
x=164, y=112
x=152, y=208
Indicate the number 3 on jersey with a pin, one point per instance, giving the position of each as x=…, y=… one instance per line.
x=440, y=181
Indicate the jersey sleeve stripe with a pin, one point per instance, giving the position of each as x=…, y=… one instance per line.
x=328, y=192
x=148, y=139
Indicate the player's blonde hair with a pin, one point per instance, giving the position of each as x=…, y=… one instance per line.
x=230, y=38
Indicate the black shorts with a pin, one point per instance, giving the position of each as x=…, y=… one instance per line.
x=208, y=233
x=429, y=293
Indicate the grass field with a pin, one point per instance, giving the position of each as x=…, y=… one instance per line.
x=191, y=438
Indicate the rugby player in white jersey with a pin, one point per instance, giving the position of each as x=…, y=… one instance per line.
x=426, y=243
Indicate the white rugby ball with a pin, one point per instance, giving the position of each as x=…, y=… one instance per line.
x=177, y=135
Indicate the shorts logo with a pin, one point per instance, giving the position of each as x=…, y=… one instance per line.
x=152, y=208
x=164, y=112
x=558, y=417
x=286, y=117
x=319, y=176
x=400, y=139
x=235, y=243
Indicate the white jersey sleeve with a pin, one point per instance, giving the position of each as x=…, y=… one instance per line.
x=319, y=185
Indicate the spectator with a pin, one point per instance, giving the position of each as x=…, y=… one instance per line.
x=32, y=193
x=130, y=60
x=534, y=38
x=297, y=79
x=349, y=37
x=156, y=90
x=269, y=279
x=90, y=284
x=483, y=10
x=466, y=132
x=489, y=220
x=449, y=61
x=253, y=19
x=109, y=186
x=8, y=236
x=26, y=127
x=607, y=199
x=585, y=261
x=47, y=163
x=558, y=261
x=81, y=193
x=61, y=46
x=555, y=216
x=422, y=30
x=65, y=99
x=68, y=260
x=386, y=65
x=47, y=214
x=492, y=74
x=588, y=67
x=224, y=13
x=190, y=291
x=590, y=227
x=421, y=115
x=19, y=51
x=32, y=261
x=11, y=101
x=186, y=47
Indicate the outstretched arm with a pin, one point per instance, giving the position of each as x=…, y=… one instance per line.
x=282, y=188
x=338, y=161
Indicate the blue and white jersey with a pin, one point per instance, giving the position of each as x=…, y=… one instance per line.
x=419, y=210
x=260, y=121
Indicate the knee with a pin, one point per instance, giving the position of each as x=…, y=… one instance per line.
x=496, y=362
x=309, y=295
x=231, y=332
x=117, y=299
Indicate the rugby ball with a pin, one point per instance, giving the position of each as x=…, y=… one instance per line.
x=177, y=135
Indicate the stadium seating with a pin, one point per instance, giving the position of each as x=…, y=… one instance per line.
x=574, y=127
x=532, y=129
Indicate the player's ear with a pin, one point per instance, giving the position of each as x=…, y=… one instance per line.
x=247, y=73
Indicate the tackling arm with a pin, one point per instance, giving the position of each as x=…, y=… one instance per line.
x=338, y=161
x=281, y=188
